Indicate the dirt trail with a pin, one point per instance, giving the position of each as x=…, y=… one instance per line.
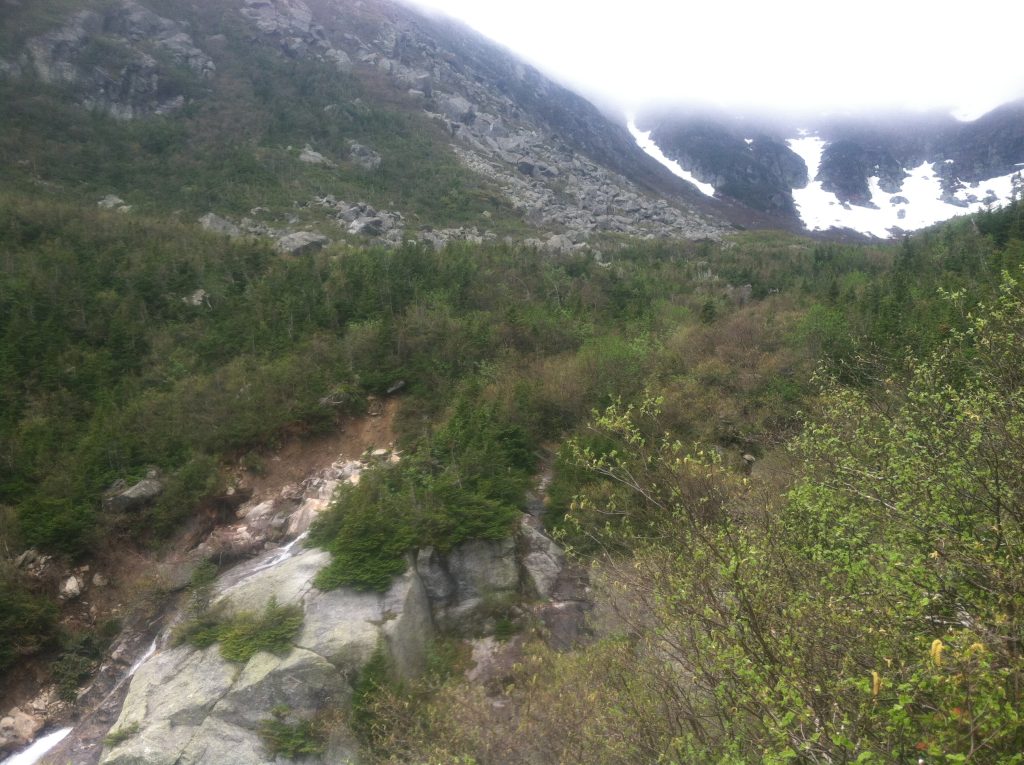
x=300, y=457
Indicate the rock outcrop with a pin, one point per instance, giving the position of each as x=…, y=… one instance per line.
x=125, y=76
x=556, y=158
x=122, y=498
x=191, y=705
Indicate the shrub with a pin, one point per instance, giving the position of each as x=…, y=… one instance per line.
x=27, y=621
x=465, y=482
x=244, y=635
x=292, y=739
x=120, y=735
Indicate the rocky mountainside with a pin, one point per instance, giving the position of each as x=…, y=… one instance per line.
x=850, y=162
x=543, y=155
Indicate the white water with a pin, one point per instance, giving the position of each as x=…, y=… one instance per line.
x=142, y=659
x=644, y=141
x=280, y=556
x=34, y=753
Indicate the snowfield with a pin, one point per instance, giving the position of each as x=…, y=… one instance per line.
x=820, y=210
x=643, y=140
x=919, y=199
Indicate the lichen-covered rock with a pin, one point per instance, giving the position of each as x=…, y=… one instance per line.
x=170, y=697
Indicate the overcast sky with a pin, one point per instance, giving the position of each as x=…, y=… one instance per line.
x=817, y=55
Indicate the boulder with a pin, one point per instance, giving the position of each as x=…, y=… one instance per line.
x=71, y=588
x=302, y=243
x=112, y=202
x=219, y=225
x=464, y=585
x=367, y=227
x=311, y=157
x=27, y=558
x=197, y=298
x=340, y=59
x=559, y=243
x=17, y=728
x=363, y=156
x=134, y=497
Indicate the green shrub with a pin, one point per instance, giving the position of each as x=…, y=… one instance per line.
x=120, y=735
x=292, y=740
x=243, y=635
x=465, y=482
x=374, y=678
x=79, y=658
x=27, y=621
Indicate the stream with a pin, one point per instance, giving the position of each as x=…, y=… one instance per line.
x=82, y=743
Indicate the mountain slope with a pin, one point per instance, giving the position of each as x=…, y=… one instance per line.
x=880, y=174
x=366, y=117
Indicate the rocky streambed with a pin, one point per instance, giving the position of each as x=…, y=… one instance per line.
x=178, y=705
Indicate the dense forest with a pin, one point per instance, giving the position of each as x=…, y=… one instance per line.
x=857, y=597
x=789, y=467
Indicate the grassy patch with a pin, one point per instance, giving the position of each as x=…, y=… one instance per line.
x=285, y=738
x=120, y=735
x=243, y=635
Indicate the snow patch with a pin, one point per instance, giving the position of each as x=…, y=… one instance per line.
x=38, y=749
x=922, y=191
x=644, y=141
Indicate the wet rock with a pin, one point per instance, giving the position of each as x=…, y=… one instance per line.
x=170, y=697
x=18, y=729
x=302, y=243
x=192, y=706
x=565, y=623
x=542, y=559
